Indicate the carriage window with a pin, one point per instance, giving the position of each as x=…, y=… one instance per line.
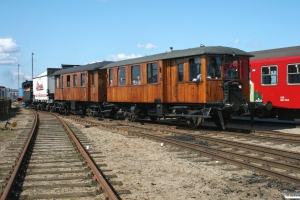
x=75, y=80
x=111, y=77
x=62, y=82
x=231, y=68
x=82, y=79
x=121, y=76
x=180, y=72
x=135, y=75
x=57, y=82
x=152, y=73
x=68, y=81
x=195, y=69
x=293, y=75
x=213, y=67
x=269, y=75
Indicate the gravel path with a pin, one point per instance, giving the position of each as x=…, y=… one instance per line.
x=151, y=171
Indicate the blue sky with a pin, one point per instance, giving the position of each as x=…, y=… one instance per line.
x=84, y=31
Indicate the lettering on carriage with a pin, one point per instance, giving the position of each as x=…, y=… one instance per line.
x=282, y=98
x=40, y=95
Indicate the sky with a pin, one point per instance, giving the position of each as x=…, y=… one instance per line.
x=85, y=31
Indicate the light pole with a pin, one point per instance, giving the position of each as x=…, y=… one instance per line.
x=32, y=65
x=18, y=76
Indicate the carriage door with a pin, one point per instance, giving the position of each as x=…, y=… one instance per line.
x=174, y=74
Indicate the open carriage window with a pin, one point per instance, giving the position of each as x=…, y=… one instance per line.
x=213, y=64
x=269, y=75
x=231, y=68
x=152, y=73
x=195, y=69
x=293, y=74
x=121, y=76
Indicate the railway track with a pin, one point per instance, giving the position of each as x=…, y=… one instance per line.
x=281, y=164
x=53, y=163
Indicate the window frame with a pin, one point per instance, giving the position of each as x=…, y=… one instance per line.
x=287, y=73
x=75, y=80
x=182, y=65
x=82, y=79
x=270, y=75
x=152, y=76
x=62, y=81
x=134, y=80
x=198, y=67
x=111, y=77
x=121, y=82
x=57, y=79
x=68, y=81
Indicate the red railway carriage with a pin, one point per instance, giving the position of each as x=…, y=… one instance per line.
x=79, y=87
x=275, y=75
x=196, y=83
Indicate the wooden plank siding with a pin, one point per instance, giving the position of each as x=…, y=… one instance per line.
x=214, y=92
x=168, y=89
x=78, y=93
x=186, y=91
x=142, y=93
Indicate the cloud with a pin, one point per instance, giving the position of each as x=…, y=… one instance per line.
x=9, y=51
x=7, y=59
x=8, y=45
x=236, y=41
x=256, y=46
x=147, y=46
x=122, y=56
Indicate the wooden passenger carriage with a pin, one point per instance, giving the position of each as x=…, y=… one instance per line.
x=182, y=84
x=194, y=84
x=80, y=86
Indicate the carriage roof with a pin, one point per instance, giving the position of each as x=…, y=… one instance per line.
x=209, y=50
x=87, y=67
x=276, y=53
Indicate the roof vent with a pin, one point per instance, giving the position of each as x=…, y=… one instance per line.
x=171, y=49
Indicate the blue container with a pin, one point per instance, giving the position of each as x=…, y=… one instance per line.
x=23, y=104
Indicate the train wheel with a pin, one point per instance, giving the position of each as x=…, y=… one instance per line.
x=194, y=122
